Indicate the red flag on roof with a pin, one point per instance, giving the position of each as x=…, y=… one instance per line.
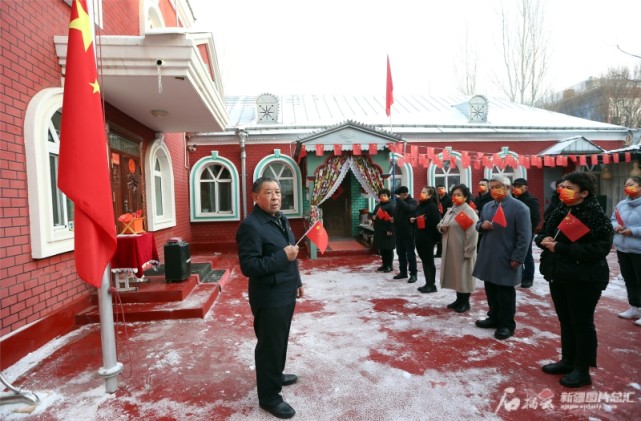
x=318, y=236
x=499, y=217
x=572, y=227
x=389, y=92
x=463, y=220
x=83, y=168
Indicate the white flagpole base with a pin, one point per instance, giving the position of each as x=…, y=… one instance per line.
x=111, y=368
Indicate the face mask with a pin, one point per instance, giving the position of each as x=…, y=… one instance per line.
x=497, y=195
x=441, y=191
x=423, y=197
x=567, y=196
x=631, y=190
x=558, y=189
x=458, y=200
x=482, y=189
x=517, y=191
x=384, y=199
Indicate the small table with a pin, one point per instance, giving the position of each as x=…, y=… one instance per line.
x=367, y=232
x=133, y=253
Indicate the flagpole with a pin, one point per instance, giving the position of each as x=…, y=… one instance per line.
x=110, y=366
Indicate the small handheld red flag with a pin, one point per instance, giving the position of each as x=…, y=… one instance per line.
x=463, y=220
x=499, y=217
x=420, y=222
x=572, y=227
x=472, y=205
x=389, y=93
x=381, y=214
x=318, y=236
x=440, y=208
x=617, y=215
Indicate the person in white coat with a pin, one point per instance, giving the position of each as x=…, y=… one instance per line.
x=459, y=237
x=626, y=221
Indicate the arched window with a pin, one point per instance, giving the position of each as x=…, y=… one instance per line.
x=284, y=169
x=400, y=175
x=214, y=190
x=51, y=213
x=508, y=171
x=160, y=194
x=449, y=175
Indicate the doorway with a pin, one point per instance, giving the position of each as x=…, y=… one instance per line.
x=337, y=210
x=127, y=181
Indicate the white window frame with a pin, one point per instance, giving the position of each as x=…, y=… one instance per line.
x=465, y=174
x=277, y=157
x=46, y=239
x=194, y=186
x=407, y=173
x=158, y=151
x=519, y=171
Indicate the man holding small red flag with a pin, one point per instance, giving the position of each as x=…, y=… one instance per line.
x=83, y=172
x=507, y=233
x=574, y=262
x=267, y=255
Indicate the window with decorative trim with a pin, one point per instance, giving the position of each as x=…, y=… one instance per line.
x=449, y=175
x=400, y=175
x=50, y=211
x=160, y=194
x=214, y=190
x=509, y=171
x=284, y=169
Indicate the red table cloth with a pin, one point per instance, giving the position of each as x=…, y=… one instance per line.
x=133, y=252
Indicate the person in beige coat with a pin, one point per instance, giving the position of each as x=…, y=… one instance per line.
x=459, y=236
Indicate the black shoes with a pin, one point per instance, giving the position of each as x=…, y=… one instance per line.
x=380, y=269
x=412, y=279
x=455, y=303
x=561, y=367
x=427, y=289
x=437, y=256
x=503, y=333
x=282, y=410
x=527, y=283
x=462, y=307
x=486, y=323
x=400, y=276
x=577, y=378
x=289, y=379
x=387, y=269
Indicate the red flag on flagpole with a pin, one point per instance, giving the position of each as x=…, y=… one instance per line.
x=617, y=215
x=318, y=236
x=389, y=92
x=83, y=169
x=572, y=227
x=499, y=217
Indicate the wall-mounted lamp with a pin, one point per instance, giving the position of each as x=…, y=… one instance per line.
x=191, y=148
x=159, y=113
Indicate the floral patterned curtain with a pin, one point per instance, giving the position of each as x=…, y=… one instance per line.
x=328, y=178
x=369, y=177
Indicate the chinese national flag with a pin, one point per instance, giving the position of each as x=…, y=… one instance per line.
x=499, y=217
x=356, y=149
x=320, y=150
x=473, y=205
x=617, y=215
x=572, y=227
x=83, y=170
x=463, y=220
x=389, y=92
x=338, y=150
x=318, y=236
x=381, y=214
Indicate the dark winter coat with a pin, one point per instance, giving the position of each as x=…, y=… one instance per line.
x=432, y=217
x=384, y=238
x=405, y=209
x=533, y=204
x=581, y=261
x=554, y=203
x=481, y=199
x=445, y=203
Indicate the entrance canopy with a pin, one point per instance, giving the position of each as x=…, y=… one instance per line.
x=578, y=145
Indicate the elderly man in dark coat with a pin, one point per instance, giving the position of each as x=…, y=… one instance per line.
x=507, y=233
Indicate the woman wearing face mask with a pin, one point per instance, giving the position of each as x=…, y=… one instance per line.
x=574, y=262
x=459, y=236
x=384, y=239
x=426, y=235
x=626, y=220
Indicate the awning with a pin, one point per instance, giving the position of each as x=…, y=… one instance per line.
x=573, y=146
x=167, y=79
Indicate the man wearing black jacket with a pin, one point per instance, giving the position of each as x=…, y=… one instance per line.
x=405, y=209
x=520, y=191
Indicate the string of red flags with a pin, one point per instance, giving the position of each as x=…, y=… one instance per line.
x=424, y=156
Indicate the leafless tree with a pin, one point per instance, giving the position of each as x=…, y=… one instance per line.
x=622, y=88
x=466, y=66
x=524, y=49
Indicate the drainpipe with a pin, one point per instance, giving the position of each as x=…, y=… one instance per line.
x=242, y=136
